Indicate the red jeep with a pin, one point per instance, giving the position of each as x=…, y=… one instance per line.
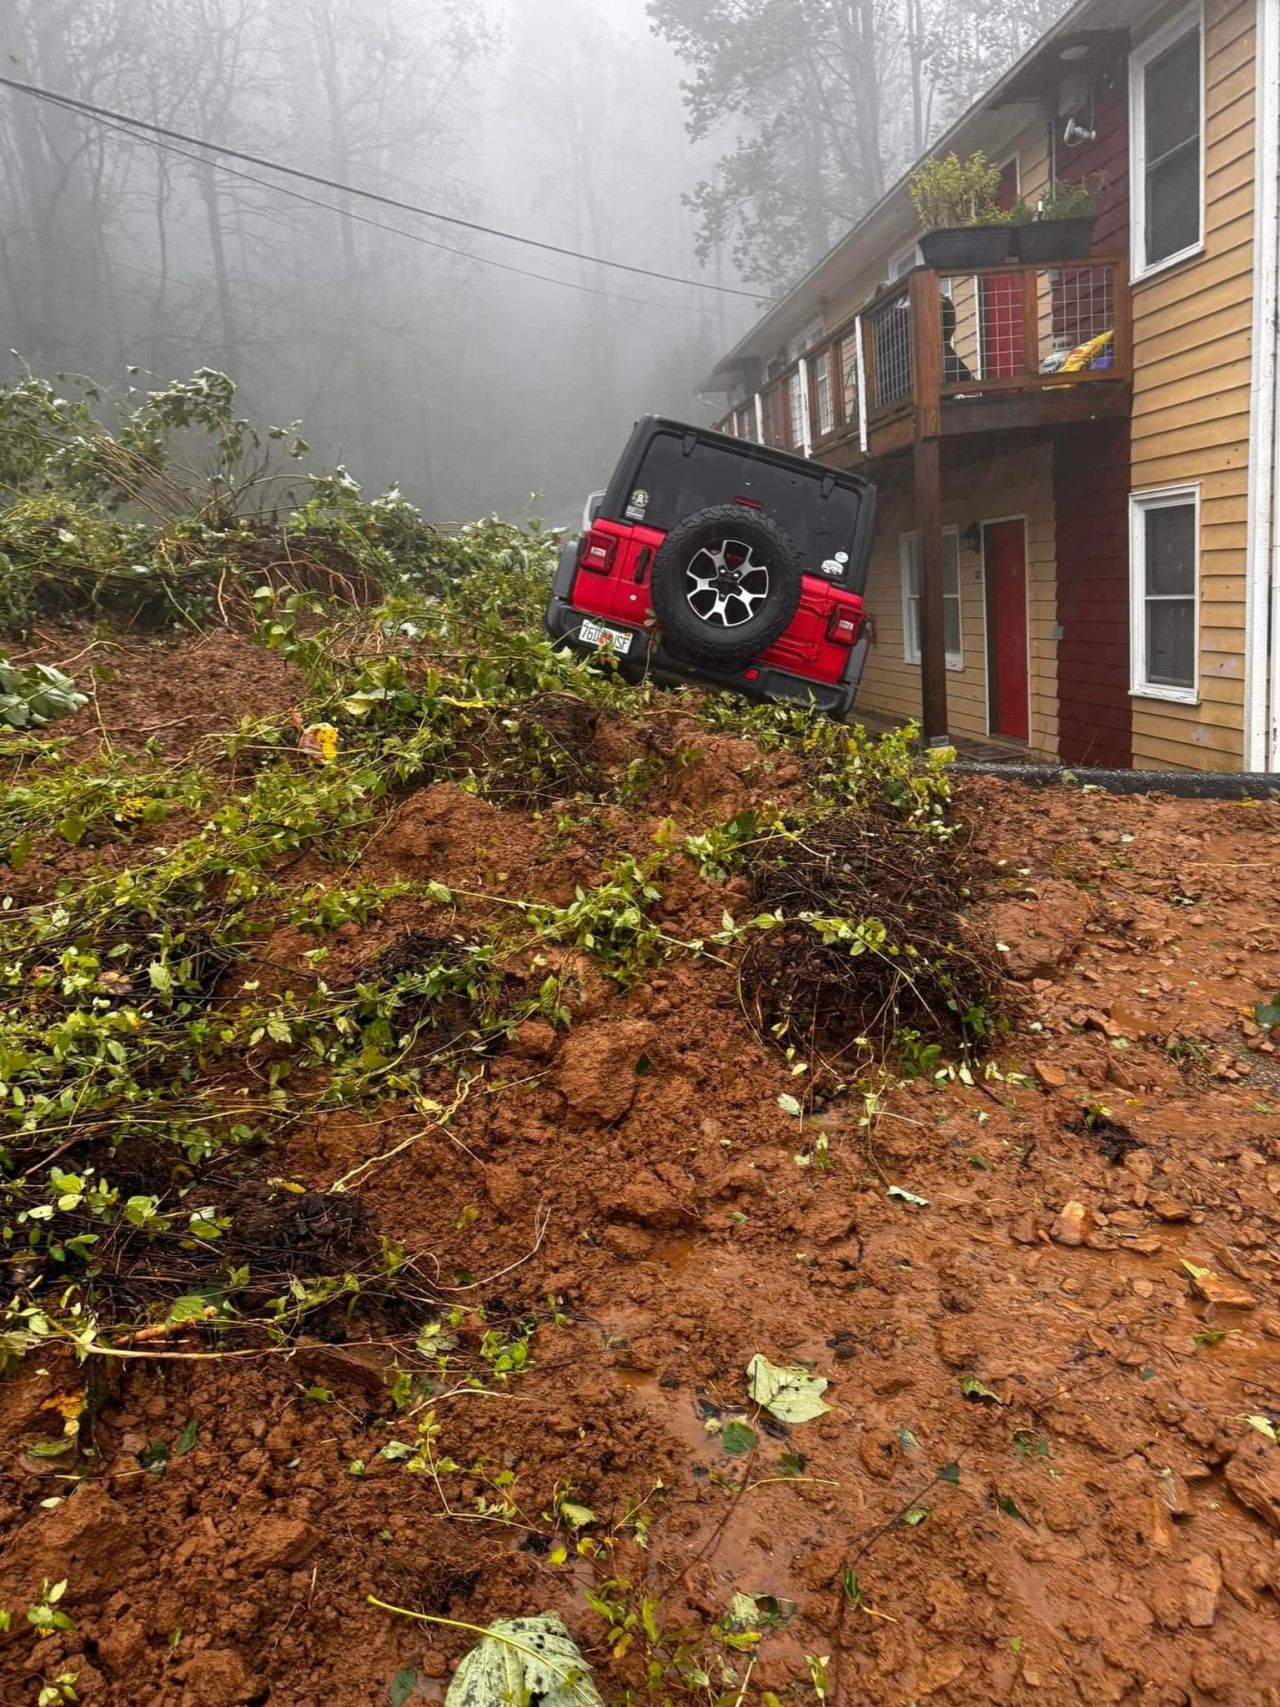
x=713, y=560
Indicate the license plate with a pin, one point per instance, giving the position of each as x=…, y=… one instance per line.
x=615, y=639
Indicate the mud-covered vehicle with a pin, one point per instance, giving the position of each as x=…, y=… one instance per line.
x=709, y=559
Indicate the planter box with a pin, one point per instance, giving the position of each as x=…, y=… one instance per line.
x=1044, y=241
x=957, y=248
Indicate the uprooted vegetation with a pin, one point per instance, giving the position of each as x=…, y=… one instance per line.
x=431, y=1099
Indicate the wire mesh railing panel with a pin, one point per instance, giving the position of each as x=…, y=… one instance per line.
x=795, y=410
x=825, y=394
x=1077, y=330
x=891, y=352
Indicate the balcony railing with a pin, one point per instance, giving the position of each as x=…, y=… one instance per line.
x=940, y=352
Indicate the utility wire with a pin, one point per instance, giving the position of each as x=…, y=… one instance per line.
x=381, y=225
x=107, y=115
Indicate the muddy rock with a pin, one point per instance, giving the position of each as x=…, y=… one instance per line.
x=1166, y=1208
x=597, y=1066
x=1039, y=934
x=647, y=1203
x=90, y=1541
x=360, y=1366
x=1253, y=1475
x=280, y=1541
x=507, y=1187
x=1202, y=1585
x=218, y=1677
x=1226, y=1294
x=1072, y=1225
x=1049, y=1074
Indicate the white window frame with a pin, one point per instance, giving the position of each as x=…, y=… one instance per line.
x=902, y=263
x=1159, y=498
x=910, y=642
x=1191, y=18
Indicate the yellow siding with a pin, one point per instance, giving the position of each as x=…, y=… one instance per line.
x=997, y=481
x=1191, y=329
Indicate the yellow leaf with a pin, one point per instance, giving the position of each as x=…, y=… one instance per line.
x=320, y=742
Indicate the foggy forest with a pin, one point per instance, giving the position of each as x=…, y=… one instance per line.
x=723, y=143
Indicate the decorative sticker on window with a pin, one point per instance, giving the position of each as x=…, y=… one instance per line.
x=638, y=505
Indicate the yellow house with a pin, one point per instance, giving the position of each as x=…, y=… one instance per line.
x=1075, y=438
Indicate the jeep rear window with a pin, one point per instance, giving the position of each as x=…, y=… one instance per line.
x=677, y=485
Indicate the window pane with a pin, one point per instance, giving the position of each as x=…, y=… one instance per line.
x=911, y=563
x=951, y=625
x=950, y=566
x=1173, y=204
x=1171, y=550
x=1171, y=103
x=1171, y=661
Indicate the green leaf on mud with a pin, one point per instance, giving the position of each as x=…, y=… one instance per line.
x=523, y=1659
x=187, y=1439
x=1267, y=1014
x=1009, y=1506
x=49, y=1448
x=789, y=1104
x=916, y=1516
x=977, y=1390
x=950, y=1473
x=402, y=1686
x=1265, y=1426
x=577, y=1516
x=738, y=1438
x=792, y=1394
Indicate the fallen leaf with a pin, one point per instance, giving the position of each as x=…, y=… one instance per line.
x=402, y=1686
x=972, y=1388
x=524, y=1659
x=791, y=1394
x=901, y=1196
x=738, y=1438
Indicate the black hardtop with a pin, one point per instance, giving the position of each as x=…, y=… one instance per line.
x=670, y=469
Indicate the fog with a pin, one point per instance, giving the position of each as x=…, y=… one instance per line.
x=477, y=373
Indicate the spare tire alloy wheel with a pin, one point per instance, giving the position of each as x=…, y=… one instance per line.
x=726, y=583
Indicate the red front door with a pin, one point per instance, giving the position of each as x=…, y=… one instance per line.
x=1005, y=561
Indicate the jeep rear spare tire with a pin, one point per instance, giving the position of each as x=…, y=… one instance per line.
x=725, y=585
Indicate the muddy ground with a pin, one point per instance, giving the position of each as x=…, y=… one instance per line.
x=1106, y=1527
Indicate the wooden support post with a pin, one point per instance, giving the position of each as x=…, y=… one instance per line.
x=933, y=643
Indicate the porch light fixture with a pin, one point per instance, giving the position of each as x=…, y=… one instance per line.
x=971, y=538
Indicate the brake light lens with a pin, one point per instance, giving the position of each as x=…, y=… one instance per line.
x=844, y=627
x=598, y=552
x=749, y=503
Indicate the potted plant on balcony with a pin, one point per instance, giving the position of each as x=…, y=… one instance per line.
x=1061, y=228
x=955, y=203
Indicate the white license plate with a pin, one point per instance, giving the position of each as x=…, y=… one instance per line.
x=616, y=639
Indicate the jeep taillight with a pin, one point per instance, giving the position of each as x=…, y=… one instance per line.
x=844, y=626
x=598, y=551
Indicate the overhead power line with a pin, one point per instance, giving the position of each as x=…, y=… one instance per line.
x=108, y=115
x=378, y=224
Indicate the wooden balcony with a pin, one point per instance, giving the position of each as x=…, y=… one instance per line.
x=936, y=355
